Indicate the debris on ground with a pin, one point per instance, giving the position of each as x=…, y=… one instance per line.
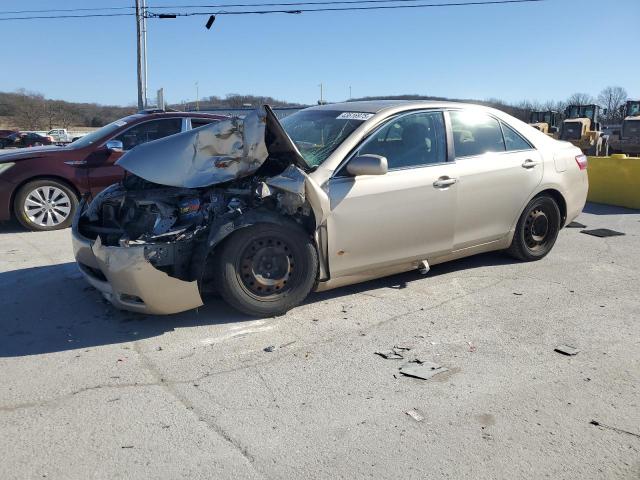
x=615, y=429
x=602, y=232
x=159, y=349
x=472, y=347
x=518, y=293
x=270, y=348
x=284, y=345
x=417, y=416
x=422, y=370
x=402, y=347
x=576, y=225
x=396, y=353
x=566, y=350
x=390, y=354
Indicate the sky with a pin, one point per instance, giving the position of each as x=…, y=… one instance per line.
x=537, y=51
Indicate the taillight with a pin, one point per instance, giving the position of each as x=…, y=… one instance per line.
x=581, y=160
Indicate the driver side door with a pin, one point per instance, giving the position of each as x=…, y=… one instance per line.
x=404, y=216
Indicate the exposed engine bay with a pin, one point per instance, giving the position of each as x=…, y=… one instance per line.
x=175, y=224
x=179, y=225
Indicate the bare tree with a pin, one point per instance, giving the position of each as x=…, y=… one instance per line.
x=580, y=99
x=612, y=98
x=29, y=111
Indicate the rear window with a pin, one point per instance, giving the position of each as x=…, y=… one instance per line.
x=571, y=131
x=201, y=122
x=631, y=128
x=514, y=140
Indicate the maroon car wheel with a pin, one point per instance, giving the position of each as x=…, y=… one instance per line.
x=45, y=205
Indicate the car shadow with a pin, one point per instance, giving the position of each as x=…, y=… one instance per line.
x=403, y=280
x=11, y=226
x=602, y=209
x=52, y=309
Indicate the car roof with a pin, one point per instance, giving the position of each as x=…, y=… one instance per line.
x=375, y=106
x=158, y=114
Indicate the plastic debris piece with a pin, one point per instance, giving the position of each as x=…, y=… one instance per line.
x=424, y=267
x=389, y=354
x=402, y=347
x=417, y=416
x=602, y=232
x=423, y=371
x=566, y=350
x=270, y=348
x=576, y=225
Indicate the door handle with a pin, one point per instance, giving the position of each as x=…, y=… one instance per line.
x=530, y=163
x=444, y=182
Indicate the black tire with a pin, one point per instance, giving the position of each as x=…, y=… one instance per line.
x=537, y=230
x=2, y=144
x=62, y=212
x=265, y=269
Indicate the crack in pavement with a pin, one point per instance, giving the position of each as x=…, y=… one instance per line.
x=208, y=419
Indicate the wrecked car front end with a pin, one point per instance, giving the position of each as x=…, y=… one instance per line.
x=146, y=243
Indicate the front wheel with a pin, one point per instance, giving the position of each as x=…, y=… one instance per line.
x=44, y=205
x=266, y=269
x=537, y=230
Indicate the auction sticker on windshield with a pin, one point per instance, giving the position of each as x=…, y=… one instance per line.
x=354, y=116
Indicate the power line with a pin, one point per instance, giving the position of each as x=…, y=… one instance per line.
x=92, y=15
x=287, y=11
x=346, y=9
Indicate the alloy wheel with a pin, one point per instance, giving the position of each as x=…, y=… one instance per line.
x=47, y=206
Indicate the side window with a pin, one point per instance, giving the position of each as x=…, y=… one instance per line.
x=513, y=139
x=410, y=141
x=475, y=133
x=148, y=131
x=201, y=122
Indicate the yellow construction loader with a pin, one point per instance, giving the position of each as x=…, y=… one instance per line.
x=627, y=140
x=546, y=122
x=582, y=128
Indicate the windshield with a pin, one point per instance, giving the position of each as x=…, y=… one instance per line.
x=317, y=133
x=91, y=138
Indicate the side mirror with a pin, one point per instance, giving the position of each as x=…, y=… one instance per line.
x=114, y=145
x=367, y=164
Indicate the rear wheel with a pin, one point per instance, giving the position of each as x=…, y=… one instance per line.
x=266, y=269
x=537, y=230
x=44, y=205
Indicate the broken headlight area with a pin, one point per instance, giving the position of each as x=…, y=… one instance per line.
x=177, y=227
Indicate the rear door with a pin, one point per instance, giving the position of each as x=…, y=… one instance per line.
x=497, y=169
x=405, y=215
x=103, y=171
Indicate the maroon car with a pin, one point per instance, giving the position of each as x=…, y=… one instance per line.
x=25, y=139
x=41, y=186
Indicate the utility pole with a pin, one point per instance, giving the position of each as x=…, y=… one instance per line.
x=139, y=44
x=350, y=97
x=197, y=97
x=321, y=98
x=144, y=52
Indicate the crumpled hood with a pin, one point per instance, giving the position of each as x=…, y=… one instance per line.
x=212, y=154
x=28, y=152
